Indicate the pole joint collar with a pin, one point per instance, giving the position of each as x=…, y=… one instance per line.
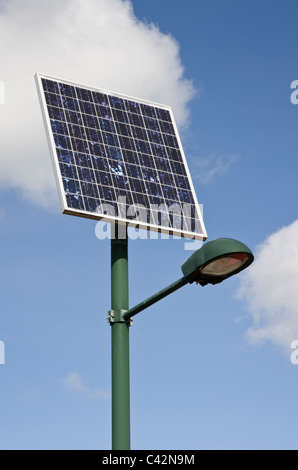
x=116, y=316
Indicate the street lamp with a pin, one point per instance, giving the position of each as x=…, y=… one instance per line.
x=217, y=260
x=212, y=263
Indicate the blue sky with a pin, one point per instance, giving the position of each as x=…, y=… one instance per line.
x=210, y=367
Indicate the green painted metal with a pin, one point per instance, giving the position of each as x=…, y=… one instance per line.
x=120, y=347
x=155, y=298
x=213, y=250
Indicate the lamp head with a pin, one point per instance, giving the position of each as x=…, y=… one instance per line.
x=217, y=260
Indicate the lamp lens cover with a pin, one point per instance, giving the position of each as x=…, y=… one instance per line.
x=225, y=265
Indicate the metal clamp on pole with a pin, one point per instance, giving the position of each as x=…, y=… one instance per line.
x=117, y=316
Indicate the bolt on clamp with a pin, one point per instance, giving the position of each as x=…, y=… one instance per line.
x=116, y=316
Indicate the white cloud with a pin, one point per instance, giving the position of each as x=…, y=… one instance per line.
x=207, y=168
x=94, y=42
x=270, y=289
x=74, y=382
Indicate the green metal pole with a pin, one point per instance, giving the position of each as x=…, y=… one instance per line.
x=120, y=344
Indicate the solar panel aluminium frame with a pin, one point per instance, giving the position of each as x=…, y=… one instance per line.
x=106, y=217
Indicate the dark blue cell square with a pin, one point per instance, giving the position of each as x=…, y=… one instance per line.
x=100, y=98
x=100, y=163
x=154, y=189
x=134, y=171
x=56, y=113
x=151, y=123
x=53, y=100
x=97, y=149
x=133, y=107
x=114, y=153
x=170, y=193
x=77, y=131
x=148, y=111
x=73, y=117
x=174, y=154
x=83, y=160
x=65, y=156
x=146, y=160
x=123, y=129
x=80, y=145
x=70, y=103
x=182, y=182
x=136, y=120
x=90, y=121
x=137, y=186
x=106, y=125
x=130, y=157
x=185, y=196
x=178, y=168
x=67, y=90
x=69, y=171
x=87, y=108
x=62, y=141
x=50, y=86
x=120, y=116
x=142, y=146
x=110, y=139
x=126, y=143
x=162, y=164
x=59, y=127
x=167, y=127
x=121, y=182
x=170, y=140
x=75, y=201
x=155, y=136
x=103, y=112
x=93, y=135
x=142, y=199
x=108, y=193
x=71, y=186
x=150, y=174
x=139, y=133
x=159, y=150
x=91, y=204
x=163, y=114
x=166, y=178
x=125, y=196
x=117, y=102
x=103, y=178
x=84, y=94
x=89, y=189
x=87, y=175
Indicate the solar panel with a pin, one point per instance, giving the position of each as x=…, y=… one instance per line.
x=118, y=158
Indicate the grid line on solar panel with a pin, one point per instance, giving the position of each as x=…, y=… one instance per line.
x=109, y=147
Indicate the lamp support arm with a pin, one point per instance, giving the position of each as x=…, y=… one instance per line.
x=155, y=298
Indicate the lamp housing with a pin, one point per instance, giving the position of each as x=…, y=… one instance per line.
x=217, y=260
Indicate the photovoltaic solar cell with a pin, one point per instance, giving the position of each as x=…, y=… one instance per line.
x=118, y=158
